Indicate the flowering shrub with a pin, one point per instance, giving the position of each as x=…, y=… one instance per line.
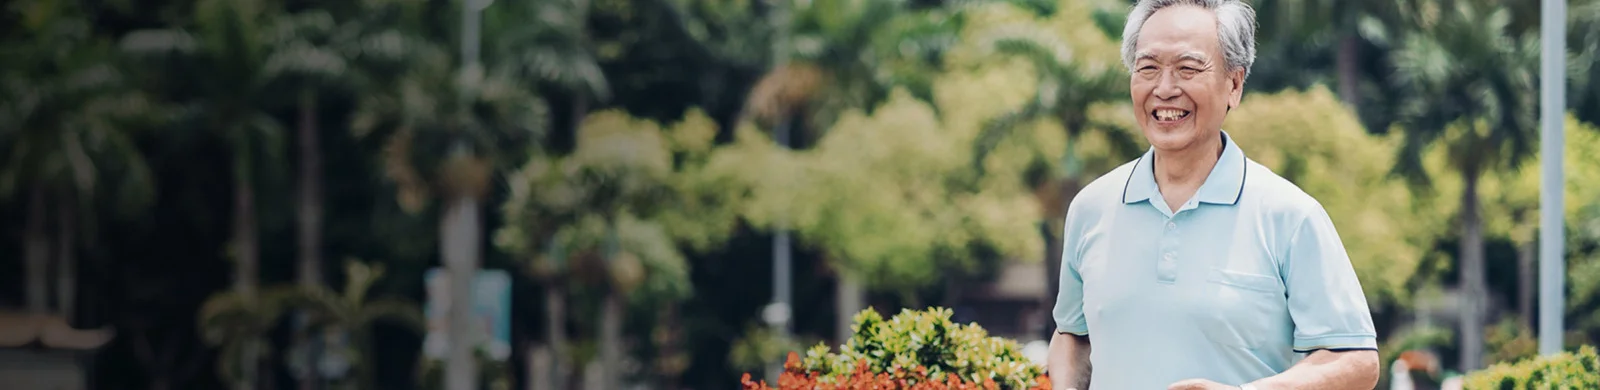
x=912, y=350
x=796, y=377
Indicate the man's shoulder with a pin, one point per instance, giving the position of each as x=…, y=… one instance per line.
x=1277, y=195
x=1107, y=189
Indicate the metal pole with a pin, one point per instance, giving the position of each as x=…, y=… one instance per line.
x=779, y=312
x=461, y=368
x=1552, y=114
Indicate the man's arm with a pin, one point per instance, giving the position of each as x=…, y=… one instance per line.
x=1069, y=361
x=1325, y=369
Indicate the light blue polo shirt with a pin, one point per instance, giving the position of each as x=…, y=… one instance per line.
x=1233, y=287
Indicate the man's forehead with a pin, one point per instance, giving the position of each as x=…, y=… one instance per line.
x=1178, y=32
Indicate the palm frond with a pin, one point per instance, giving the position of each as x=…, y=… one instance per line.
x=1048, y=54
x=998, y=129
x=305, y=60
x=395, y=312
x=159, y=43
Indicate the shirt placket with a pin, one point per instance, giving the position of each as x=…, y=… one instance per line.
x=1167, y=262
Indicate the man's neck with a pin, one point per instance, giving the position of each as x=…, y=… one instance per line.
x=1180, y=173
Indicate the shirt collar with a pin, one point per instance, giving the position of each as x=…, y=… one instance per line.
x=1224, y=185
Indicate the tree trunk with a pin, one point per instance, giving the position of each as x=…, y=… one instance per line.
x=1052, y=261
x=1472, y=277
x=310, y=212
x=850, y=300
x=1348, y=64
x=611, y=341
x=246, y=260
x=67, y=274
x=460, y=237
x=245, y=254
x=310, y=222
x=556, y=335
x=1525, y=281
x=36, y=249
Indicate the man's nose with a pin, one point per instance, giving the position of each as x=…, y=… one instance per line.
x=1167, y=87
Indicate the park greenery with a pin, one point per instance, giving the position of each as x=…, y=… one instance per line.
x=185, y=172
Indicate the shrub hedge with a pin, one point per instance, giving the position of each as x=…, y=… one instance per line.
x=1580, y=370
x=912, y=350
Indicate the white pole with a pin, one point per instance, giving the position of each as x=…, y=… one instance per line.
x=1552, y=114
x=779, y=312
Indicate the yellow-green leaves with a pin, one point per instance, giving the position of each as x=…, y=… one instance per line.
x=1570, y=370
x=890, y=196
x=925, y=339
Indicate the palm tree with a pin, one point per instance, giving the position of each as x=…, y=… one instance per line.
x=1297, y=35
x=238, y=322
x=223, y=70
x=1067, y=89
x=349, y=312
x=69, y=113
x=831, y=56
x=446, y=135
x=317, y=51
x=1583, y=41
x=215, y=66
x=1470, y=79
x=586, y=217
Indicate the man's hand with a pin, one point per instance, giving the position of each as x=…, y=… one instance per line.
x=1199, y=384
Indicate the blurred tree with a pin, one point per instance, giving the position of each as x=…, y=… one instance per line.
x=1298, y=38
x=555, y=50
x=611, y=217
x=1583, y=47
x=223, y=62
x=318, y=51
x=898, y=170
x=68, y=113
x=238, y=321
x=1071, y=78
x=449, y=131
x=348, y=313
x=213, y=65
x=1511, y=204
x=1469, y=79
x=834, y=56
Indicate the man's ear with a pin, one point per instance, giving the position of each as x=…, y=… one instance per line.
x=1235, y=88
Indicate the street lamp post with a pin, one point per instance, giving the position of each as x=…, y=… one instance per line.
x=1552, y=110
x=460, y=365
x=779, y=312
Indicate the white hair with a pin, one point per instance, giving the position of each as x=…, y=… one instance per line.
x=1236, y=29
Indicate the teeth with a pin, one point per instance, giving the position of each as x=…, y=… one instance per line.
x=1170, y=114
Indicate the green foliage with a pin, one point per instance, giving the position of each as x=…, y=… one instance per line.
x=1579, y=370
x=758, y=347
x=887, y=197
x=926, y=339
x=631, y=178
x=1509, y=341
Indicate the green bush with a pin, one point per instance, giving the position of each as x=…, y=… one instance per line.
x=927, y=340
x=1579, y=370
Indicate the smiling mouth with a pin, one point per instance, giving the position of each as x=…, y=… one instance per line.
x=1169, y=114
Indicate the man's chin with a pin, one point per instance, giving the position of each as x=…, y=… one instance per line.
x=1165, y=138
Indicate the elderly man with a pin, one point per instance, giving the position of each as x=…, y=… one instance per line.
x=1194, y=267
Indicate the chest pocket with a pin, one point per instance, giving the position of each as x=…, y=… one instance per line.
x=1242, y=309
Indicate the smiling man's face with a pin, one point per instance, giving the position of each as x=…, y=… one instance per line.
x=1181, y=85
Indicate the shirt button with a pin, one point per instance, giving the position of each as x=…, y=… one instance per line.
x=1172, y=225
x=1169, y=256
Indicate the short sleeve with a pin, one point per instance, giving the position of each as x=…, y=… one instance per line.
x=1326, y=302
x=1068, y=310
